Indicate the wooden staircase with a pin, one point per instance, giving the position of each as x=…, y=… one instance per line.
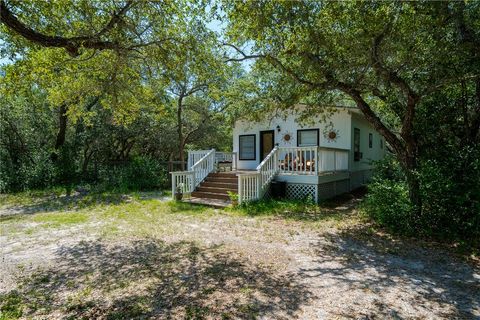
x=216, y=187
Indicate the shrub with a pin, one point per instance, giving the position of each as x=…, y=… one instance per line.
x=141, y=173
x=450, y=195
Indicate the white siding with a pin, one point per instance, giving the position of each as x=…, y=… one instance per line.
x=369, y=154
x=341, y=124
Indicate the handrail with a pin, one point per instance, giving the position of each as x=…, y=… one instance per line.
x=254, y=185
x=194, y=156
x=187, y=181
x=203, y=167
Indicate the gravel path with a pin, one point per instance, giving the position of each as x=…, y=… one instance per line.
x=239, y=267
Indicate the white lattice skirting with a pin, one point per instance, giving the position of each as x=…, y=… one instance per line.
x=326, y=190
x=301, y=191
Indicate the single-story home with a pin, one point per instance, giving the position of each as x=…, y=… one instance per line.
x=318, y=158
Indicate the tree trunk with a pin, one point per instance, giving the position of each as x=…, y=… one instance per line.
x=410, y=167
x=62, y=131
x=181, y=155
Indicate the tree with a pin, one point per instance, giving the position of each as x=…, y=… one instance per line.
x=387, y=58
x=102, y=70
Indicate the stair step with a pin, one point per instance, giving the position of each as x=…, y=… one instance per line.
x=203, y=188
x=210, y=195
x=221, y=185
x=223, y=175
x=222, y=179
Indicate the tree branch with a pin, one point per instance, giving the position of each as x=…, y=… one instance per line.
x=116, y=18
x=71, y=44
x=244, y=56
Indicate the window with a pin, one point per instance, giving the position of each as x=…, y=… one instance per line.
x=307, y=138
x=246, y=147
x=356, y=145
x=370, y=140
x=381, y=143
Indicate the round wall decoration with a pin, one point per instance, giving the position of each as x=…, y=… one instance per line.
x=330, y=133
x=287, y=137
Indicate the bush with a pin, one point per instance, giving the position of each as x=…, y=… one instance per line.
x=388, y=204
x=141, y=173
x=450, y=201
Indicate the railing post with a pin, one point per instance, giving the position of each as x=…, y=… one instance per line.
x=258, y=177
x=174, y=184
x=192, y=181
x=240, y=189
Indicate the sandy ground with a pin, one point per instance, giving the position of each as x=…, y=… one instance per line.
x=230, y=267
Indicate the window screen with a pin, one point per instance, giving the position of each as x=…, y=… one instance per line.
x=307, y=138
x=247, y=147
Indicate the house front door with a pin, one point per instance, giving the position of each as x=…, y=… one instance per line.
x=266, y=143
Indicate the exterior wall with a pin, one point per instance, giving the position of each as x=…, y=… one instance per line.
x=319, y=187
x=341, y=121
x=369, y=154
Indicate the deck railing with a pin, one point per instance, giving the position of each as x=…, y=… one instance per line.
x=194, y=156
x=227, y=157
x=183, y=180
x=187, y=181
x=203, y=167
x=253, y=185
x=311, y=160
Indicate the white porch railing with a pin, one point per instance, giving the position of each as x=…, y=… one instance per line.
x=252, y=186
x=194, y=156
x=189, y=180
x=183, y=180
x=312, y=160
x=227, y=157
x=203, y=167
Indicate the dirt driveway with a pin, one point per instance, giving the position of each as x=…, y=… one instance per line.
x=142, y=257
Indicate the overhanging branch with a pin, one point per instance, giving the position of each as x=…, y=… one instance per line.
x=71, y=44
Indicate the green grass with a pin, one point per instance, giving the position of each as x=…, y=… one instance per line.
x=29, y=197
x=11, y=306
x=59, y=219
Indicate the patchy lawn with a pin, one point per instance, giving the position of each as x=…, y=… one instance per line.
x=114, y=256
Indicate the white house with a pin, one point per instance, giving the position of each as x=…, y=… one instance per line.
x=319, y=158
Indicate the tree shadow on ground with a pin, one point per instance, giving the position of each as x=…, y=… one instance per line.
x=417, y=279
x=153, y=279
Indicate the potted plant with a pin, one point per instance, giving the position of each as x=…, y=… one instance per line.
x=233, y=197
x=179, y=192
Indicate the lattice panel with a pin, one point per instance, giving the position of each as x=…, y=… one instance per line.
x=301, y=191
